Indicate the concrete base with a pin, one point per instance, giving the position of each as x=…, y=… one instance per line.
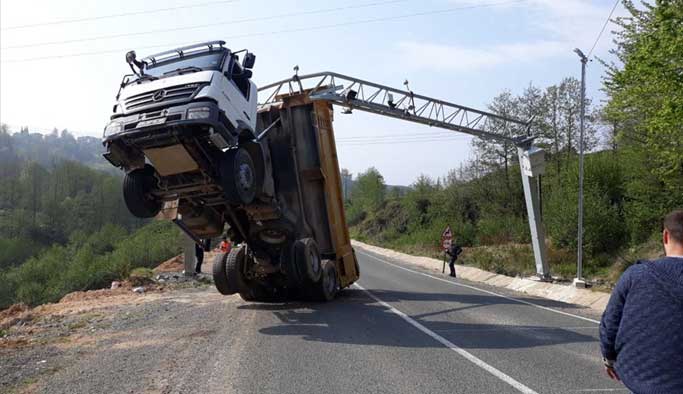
x=579, y=283
x=189, y=255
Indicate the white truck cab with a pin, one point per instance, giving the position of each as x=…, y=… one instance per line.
x=198, y=84
x=183, y=130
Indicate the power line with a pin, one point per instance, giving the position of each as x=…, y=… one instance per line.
x=296, y=30
x=194, y=27
x=616, y=3
x=143, y=12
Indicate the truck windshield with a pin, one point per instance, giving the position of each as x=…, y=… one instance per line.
x=205, y=61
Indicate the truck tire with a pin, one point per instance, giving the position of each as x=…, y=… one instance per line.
x=256, y=292
x=238, y=176
x=136, y=187
x=307, y=257
x=234, y=269
x=227, y=271
x=293, y=272
x=328, y=285
x=220, y=279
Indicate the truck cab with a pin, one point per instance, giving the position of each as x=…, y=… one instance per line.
x=202, y=84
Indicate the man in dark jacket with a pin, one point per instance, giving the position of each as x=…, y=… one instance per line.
x=454, y=251
x=641, y=332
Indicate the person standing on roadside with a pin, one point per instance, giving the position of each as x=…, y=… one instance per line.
x=199, y=253
x=453, y=251
x=225, y=245
x=641, y=331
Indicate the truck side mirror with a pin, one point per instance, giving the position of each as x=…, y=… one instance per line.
x=249, y=60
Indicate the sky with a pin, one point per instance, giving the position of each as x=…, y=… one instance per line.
x=462, y=51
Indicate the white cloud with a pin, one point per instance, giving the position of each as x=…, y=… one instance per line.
x=460, y=58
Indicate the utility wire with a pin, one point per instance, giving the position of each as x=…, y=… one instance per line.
x=142, y=12
x=616, y=3
x=193, y=27
x=295, y=30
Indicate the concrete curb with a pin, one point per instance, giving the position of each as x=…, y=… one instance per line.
x=595, y=300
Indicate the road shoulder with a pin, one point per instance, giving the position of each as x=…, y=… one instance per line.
x=594, y=300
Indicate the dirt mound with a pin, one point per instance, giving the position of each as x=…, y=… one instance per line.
x=14, y=314
x=174, y=264
x=95, y=294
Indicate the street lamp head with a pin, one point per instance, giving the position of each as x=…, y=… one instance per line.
x=583, y=57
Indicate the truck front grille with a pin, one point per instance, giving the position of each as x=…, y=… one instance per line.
x=172, y=95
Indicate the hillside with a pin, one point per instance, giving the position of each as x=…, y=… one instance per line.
x=47, y=149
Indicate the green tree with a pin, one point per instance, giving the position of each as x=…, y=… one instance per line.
x=646, y=90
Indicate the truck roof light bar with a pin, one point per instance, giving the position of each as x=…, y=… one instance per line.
x=354, y=93
x=183, y=51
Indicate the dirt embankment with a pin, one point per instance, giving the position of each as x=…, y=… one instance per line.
x=30, y=338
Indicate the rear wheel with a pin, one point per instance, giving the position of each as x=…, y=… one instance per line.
x=238, y=176
x=227, y=271
x=328, y=286
x=137, y=186
x=257, y=292
x=307, y=258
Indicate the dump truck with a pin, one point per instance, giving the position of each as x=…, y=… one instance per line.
x=198, y=150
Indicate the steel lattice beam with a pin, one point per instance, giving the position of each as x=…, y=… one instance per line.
x=354, y=93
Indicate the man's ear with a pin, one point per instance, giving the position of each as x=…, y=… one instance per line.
x=665, y=237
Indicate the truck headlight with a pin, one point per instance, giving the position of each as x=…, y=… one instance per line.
x=113, y=128
x=199, y=113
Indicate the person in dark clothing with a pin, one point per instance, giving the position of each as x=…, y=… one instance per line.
x=454, y=251
x=641, y=331
x=199, y=253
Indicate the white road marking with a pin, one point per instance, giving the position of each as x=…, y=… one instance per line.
x=467, y=355
x=482, y=290
x=515, y=328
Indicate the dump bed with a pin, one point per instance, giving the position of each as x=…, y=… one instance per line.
x=300, y=138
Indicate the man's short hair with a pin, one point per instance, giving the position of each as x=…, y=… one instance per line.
x=673, y=222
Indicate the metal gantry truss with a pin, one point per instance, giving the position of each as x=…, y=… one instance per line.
x=353, y=93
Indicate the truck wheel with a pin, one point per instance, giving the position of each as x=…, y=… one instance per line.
x=292, y=270
x=307, y=258
x=234, y=269
x=328, y=286
x=238, y=176
x=220, y=279
x=258, y=293
x=137, y=185
x=227, y=271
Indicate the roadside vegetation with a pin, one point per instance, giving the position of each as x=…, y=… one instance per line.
x=64, y=226
x=633, y=175
x=88, y=261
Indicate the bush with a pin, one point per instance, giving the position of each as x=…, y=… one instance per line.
x=14, y=251
x=140, y=276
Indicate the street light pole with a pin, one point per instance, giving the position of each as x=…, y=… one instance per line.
x=579, y=281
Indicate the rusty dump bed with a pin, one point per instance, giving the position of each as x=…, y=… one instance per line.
x=306, y=178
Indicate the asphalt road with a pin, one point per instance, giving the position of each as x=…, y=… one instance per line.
x=401, y=331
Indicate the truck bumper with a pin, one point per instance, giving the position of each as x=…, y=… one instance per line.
x=191, y=118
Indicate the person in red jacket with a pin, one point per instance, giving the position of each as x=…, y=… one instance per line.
x=225, y=245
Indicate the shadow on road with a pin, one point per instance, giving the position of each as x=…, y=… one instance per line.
x=355, y=318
